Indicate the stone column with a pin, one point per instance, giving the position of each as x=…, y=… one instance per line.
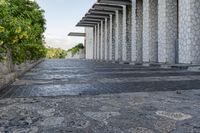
x=106, y=39
x=167, y=30
x=98, y=41
x=113, y=37
x=100, y=33
x=118, y=36
x=137, y=31
x=150, y=30
x=102, y=41
x=89, y=42
x=189, y=31
x=110, y=37
x=126, y=33
x=94, y=43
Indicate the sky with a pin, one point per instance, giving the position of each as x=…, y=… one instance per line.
x=62, y=16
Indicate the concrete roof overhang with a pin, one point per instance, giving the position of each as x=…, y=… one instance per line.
x=85, y=25
x=96, y=15
x=107, y=7
x=89, y=21
x=93, y=19
x=99, y=12
x=116, y=2
x=96, y=11
x=77, y=34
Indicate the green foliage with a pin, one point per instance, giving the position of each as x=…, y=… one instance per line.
x=56, y=53
x=22, y=25
x=76, y=49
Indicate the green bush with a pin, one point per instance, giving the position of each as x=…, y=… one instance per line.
x=56, y=53
x=22, y=25
x=76, y=49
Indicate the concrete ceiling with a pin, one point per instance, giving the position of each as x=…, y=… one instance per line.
x=101, y=10
x=116, y=2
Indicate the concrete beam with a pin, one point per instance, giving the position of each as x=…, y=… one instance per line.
x=96, y=11
x=77, y=34
x=95, y=15
x=92, y=19
x=116, y=2
x=85, y=25
x=89, y=22
x=99, y=6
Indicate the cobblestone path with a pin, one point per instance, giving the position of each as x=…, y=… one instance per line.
x=78, y=77
x=60, y=96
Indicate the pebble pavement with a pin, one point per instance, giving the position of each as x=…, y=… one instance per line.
x=72, y=96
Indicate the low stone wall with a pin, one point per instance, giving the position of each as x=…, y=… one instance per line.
x=7, y=77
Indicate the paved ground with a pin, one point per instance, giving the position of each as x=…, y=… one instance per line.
x=72, y=77
x=151, y=105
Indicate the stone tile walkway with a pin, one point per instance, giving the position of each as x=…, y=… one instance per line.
x=79, y=77
x=94, y=97
x=140, y=112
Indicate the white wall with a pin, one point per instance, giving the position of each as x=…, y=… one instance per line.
x=89, y=43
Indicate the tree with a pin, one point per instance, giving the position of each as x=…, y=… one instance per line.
x=56, y=53
x=22, y=25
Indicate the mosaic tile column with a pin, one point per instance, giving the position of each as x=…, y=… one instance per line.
x=111, y=38
x=189, y=31
x=137, y=31
x=89, y=42
x=106, y=39
x=167, y=30
x=126, y=33
x=98, y=41
x=102, y=40
x=118, y=34
x=95, y=43
x=150, y=30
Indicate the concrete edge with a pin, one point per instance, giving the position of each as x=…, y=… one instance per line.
x=29, y=68
x=189, y=67
x=8, y=79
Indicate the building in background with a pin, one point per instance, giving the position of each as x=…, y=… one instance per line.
x=143, y=31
